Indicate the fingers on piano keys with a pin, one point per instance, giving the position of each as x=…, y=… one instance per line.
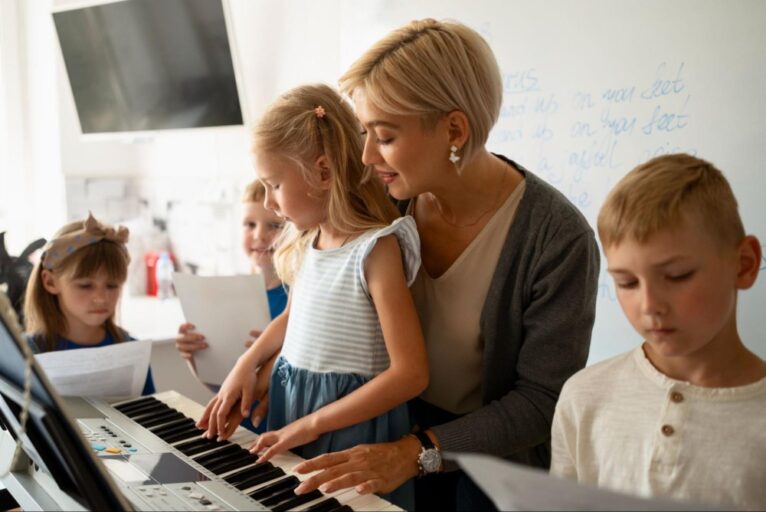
x=270, y=483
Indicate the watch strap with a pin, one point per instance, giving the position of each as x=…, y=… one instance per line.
x=425, y=441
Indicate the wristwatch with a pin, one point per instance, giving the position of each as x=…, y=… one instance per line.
x=430, y=457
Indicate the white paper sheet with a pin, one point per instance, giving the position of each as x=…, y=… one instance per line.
x=224, y=309
x=516, y=487
x=114, y=370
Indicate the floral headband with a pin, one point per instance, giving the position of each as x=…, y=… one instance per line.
x=92, y=231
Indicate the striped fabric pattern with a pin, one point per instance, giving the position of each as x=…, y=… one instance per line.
x=333, y=325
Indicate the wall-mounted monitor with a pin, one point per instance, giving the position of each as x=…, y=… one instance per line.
x=143, y=65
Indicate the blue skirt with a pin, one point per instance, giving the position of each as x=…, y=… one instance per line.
x=297, y=392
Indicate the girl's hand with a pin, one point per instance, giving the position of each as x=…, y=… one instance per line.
x=188, y=341
x=232, y=403
x=297, y=433
x=369, y=468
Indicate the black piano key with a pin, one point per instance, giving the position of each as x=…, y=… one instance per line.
x=134, y=403
x=217, y=465
x=143, y=409
x=156, y=419
x=344, y=508
x=199, y=445
x=297, y=500
x=167, y=429
x=237, y=462
x=227, y=450
x=260, y=478
x=242, y=474
x=169, y=423
x=323, y=506
x=181, y=435
x=279, y=497
x=267, y=491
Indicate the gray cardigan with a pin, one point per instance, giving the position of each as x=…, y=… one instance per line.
x=536, y=325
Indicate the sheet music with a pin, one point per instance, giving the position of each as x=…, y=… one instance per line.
x=224, y=309
x=114, y=370
x=516, y=487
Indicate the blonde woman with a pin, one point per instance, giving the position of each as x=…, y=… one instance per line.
x=507, y=290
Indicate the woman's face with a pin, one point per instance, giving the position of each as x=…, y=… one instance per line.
x=409, y=158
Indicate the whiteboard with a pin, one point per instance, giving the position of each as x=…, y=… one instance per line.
x=593, y=88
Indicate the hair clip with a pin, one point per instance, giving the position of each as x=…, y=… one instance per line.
x=319, y=111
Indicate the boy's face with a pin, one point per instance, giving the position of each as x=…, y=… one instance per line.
x=678, y=289
x=260, y=228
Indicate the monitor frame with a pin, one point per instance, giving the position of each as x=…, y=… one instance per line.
x=136, y=136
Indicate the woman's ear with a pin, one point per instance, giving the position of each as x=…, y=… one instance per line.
x=325, y=173
x=50, y=283
x=458, y=128
x=750, y=259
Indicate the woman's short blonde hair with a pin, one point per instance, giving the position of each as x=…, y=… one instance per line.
x=659, y=193
x=429, y=68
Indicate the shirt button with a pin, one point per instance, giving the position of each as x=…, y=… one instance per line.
x=667, y=430
x=676, y=397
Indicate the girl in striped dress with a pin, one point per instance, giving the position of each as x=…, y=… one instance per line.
x=352, y=350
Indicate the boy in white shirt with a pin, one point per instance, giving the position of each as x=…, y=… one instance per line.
x=684, y=414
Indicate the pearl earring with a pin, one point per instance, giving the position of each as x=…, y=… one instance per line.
x=452, y=156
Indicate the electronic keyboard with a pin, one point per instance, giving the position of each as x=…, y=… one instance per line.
x=157, y=457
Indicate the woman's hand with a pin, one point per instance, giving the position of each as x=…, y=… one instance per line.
x=369, y=468
x=188, y=341
x=297, y=433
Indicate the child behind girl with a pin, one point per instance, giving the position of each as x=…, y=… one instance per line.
x=682, y=415
x=260, y=227
x=74, y=289
x=352, y=352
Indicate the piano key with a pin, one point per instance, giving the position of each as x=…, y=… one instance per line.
x=227, y=450
x=181, y=435
x=324, y=506
x=232, y=463
x=263, y=493
x=296, y=501
x=163, y=430
x=199, y=445
x=133, y=403
x=169, y=423
x=158, y=419
x=247, y=472
x=143, y=409
x=260, y=478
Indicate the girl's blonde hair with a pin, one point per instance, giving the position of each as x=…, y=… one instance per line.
x=430, y=68
x=658, y=193
x=43, y=315
x=295, y=128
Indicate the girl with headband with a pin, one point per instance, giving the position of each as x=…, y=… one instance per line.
x=74, y=289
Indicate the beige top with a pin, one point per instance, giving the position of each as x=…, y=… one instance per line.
x=450, y=308
x=623, y=425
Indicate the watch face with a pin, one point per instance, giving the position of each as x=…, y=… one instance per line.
x=431, y=460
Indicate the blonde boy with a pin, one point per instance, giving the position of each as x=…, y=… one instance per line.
x=684, y=414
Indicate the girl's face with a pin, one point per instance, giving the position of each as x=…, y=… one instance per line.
x=259, y=229
x=409, y=158
x=86, y=302
x=287, y=192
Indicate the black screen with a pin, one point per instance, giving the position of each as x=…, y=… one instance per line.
x=138, y=65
